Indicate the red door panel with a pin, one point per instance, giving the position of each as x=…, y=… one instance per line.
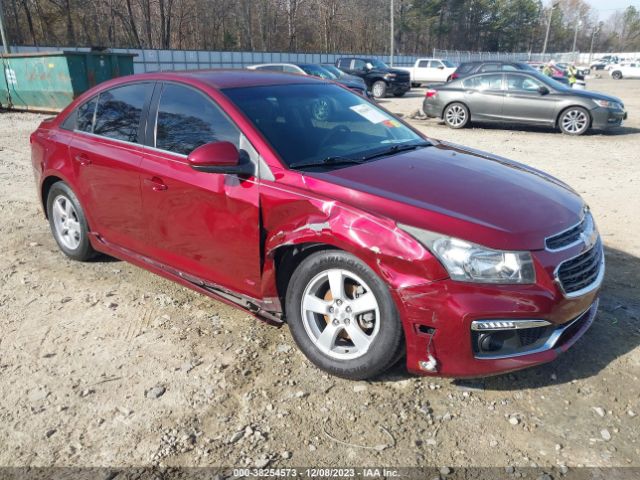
x=108, y=177
x=202, y=223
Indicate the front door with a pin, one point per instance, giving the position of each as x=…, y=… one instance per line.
x=203, y=224
x=525, y=103
x=106, y=152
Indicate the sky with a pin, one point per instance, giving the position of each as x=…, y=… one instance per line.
x=606, y=7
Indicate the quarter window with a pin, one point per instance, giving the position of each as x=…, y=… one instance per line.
x=119, y=111
x=84, y=121
x=188, y=119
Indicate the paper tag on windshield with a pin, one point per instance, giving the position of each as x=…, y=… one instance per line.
x=371, y=114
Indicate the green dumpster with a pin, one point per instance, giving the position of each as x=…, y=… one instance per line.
x=49, y=81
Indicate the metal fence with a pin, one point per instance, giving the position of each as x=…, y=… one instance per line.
x=149, y=60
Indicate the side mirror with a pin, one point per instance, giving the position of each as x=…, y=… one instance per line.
x=542, y=90
x=220, y=157
x=441, y=67
x=368, y=66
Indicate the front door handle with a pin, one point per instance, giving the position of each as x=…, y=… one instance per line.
x=156, y=184
x=82, y=159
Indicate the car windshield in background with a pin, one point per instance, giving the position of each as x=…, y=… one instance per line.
x=318, y=71
x=448, y=64
x=378, y=63
x=315, y=122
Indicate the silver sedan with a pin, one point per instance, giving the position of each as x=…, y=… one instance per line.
x=522, y=98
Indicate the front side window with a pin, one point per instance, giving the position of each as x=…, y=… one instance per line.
x=188, y=119
x=522, y=83
x=359, y=64
x=313, y=122
x=119, y=111
x=484, y=82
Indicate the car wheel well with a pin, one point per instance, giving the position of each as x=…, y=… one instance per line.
x=286, y=260
x=46, y=187
x=570, y=107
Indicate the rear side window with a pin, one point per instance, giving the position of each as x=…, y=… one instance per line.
x=84, y=121
x=274, y=68
x=484, y=82
x=489, y=67
x=423, y=64
x=188, y=119
x=344, y=63
x=119, y=111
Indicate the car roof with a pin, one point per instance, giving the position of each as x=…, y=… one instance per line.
x=226, y=78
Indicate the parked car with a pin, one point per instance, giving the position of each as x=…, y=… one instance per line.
x=522, y=98
x=368, y=239
x=581, y=72
x=629, y=70
x=603, y=62
x=471, y=68
x=380, y=78
x=343, y=76
x=354, y=83
x=430, y=70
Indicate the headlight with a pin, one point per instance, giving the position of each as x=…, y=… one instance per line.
x=468, y=262
x=608, y=104
x=390, y=76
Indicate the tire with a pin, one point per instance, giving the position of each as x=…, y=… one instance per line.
x=456, y=115
x=415, y=85
x=325, y=336
x=68, y=223
x=399, y=94
x=379, y=89
x=616, y=75
x=574, y=121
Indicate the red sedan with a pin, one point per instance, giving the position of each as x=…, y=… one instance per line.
x=301, y=202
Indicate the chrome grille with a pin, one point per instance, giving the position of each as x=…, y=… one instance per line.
x=572, y=235
x=581, y=272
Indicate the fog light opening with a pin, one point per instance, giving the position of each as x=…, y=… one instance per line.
x=490, y=342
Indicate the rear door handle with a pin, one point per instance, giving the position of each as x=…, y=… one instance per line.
x=82, y=159
x=156, y=184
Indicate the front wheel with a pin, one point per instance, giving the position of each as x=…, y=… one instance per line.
x=574, y=121
x=379, y=89
x=456, y=115
x=616, y=75
x=342, y=316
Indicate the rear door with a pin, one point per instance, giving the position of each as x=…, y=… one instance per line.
x=484, y=96
x=524, y=102
x=203, y=224
x=106, y=152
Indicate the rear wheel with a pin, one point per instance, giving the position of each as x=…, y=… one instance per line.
x=574, y=121
x=379, y=89
x=68, y=223
x=616, y=75
x=342, y=316
x=456, y=115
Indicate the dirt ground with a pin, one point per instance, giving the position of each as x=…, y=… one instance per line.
x=105, y=364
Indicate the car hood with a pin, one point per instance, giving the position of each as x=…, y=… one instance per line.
x=469, y=194
x=592, y=95
x=347, y=82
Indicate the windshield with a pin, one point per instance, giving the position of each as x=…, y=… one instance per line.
x=335, y=70
x=447, y=63
x=550, y=82
x=313, y=122
x=378, y=63
x=318, y=71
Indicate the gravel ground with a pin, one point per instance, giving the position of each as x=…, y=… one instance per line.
x=105, y=364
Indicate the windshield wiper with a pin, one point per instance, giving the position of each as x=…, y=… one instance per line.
x=401, y=147
x=327, y=161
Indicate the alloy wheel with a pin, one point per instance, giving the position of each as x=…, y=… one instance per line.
x=378, y=90
x=66, y=222
x=575, y=121
x=456, y=115
x=340, y=313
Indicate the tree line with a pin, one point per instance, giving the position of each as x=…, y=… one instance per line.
x=321, y=25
